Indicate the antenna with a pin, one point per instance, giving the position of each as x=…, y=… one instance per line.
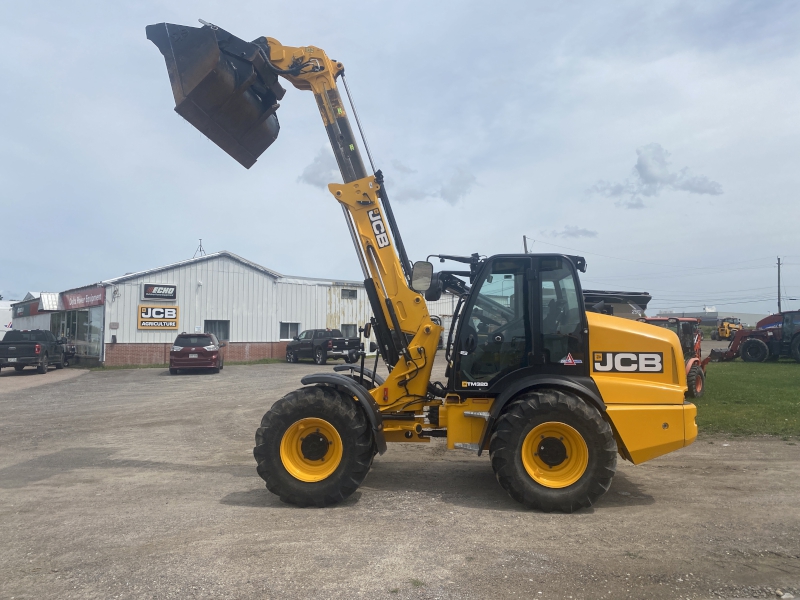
x=200, y=250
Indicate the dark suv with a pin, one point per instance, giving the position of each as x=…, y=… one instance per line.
x=196, y=351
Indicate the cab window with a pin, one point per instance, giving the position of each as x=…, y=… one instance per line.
x=561, y=325
x=495, y=330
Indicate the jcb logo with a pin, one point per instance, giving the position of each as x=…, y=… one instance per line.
x=628, y=362
x=154, y=312
x=379, y=228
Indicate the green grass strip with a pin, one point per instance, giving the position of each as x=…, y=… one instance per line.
x=751, y=399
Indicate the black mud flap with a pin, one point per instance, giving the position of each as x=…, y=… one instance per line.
x=223, y=86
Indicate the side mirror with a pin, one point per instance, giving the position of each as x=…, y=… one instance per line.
x=61, y=340
x=373, y=347
x=296, y=338
x=222, y=344
x=367, y=330
x=421, y=275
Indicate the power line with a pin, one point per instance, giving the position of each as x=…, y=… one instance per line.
x=650, y=263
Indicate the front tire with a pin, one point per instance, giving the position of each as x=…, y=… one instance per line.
x=314, y=447
x=754, y=350
x=173, y=371
x=42, y=367
x=696, y=382
x=60, y=364
x=320, y=356
x=552, y=451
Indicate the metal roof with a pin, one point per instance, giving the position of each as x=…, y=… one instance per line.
x=48, y=301
x=191, y=261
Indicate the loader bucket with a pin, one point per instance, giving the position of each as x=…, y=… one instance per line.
x=719, y=355
x=223, y=86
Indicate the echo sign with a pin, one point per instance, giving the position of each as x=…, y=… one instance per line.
x=158, y=317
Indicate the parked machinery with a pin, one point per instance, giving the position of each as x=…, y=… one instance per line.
x=768, y=341
x=552, y=391
x=726, y=328
x=690, y=336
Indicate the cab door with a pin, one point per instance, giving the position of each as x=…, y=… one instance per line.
x=561, y=343
x=495, y=335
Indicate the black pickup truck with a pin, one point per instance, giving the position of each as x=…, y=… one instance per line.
x=32, y=348
x=322, y=344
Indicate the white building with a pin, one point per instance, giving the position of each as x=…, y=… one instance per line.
x=133, y=319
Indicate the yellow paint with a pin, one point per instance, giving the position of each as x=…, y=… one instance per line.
x=565, y=473
x=318, y=81
x=298, y=465
x=648, y=431
x=408, y=381
x=461, y=429
x=614, y=334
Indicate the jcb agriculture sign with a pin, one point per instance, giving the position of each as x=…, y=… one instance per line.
x=158, y=317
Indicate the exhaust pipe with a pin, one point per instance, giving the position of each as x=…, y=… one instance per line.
x=223, y=86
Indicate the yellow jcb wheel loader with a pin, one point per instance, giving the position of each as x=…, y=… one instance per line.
x=552, y=390
x=726, y=328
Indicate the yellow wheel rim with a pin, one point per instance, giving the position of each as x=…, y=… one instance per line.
x=554, y=454
x=311, y=449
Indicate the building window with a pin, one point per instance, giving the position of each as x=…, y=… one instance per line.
x=221, y=329
x=349, y=294
x=349, y=331
x=289, y=330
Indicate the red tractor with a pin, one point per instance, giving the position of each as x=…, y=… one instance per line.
x=688, y=331
x=774, y=337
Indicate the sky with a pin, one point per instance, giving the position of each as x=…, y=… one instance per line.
x=660, y=140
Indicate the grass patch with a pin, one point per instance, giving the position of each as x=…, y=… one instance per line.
x=751, y=399
x=416, y=583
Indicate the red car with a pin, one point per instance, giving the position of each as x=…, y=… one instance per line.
x=196, y=351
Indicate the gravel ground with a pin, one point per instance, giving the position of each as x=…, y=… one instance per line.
x=138, y=484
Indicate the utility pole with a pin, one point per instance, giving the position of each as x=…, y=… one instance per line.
x=525, y=243
x=779, y=284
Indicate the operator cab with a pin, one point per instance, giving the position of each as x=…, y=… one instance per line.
x=524, y=316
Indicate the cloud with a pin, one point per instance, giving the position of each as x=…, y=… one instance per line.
x=322, y=170
x=452, y=190
x=651, y=175
x=402, y=168
x=572, y=231
x=459, y=185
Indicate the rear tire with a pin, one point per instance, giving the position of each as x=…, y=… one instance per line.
x=329, y=467
x=714, y=336
x=320, y=356
x=291, y=356
x=754, y=350
x=696, y=382
x=588, y=459
x=42, y=367
x=794, y=349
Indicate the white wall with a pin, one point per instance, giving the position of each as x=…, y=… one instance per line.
x=5, y=318
x=33, y=322
x=230, y=291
